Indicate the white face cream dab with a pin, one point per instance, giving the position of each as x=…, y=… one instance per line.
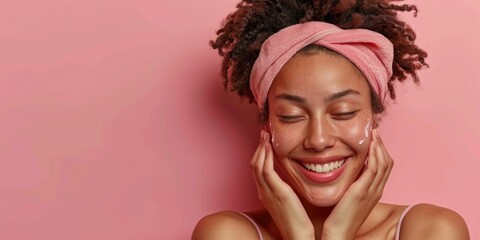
x=368, y=128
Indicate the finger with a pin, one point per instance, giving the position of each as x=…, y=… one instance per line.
x=257, y=150
x=388, y=158
x=258, y=163
x=385, y=165
x=369, y=173
x=268, y=156
x=273, y=180
x=384, y=168
x=381, y=167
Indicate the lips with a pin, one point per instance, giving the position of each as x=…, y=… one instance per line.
x=324, y=171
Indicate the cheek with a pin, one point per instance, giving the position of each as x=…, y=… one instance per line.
x=283, y=139
x=357, y=133
x=366, y=132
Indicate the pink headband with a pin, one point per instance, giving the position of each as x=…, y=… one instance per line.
x=371, y=52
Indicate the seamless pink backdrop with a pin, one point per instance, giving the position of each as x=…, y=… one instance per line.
x=114, y=123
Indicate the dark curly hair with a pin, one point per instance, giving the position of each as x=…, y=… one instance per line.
x=243, y=32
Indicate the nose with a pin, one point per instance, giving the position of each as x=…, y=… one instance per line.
x=319, y=136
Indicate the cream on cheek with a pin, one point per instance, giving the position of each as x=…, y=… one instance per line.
x=272, y=133
x=367, y=130
x=284, y=139
x=355, y=133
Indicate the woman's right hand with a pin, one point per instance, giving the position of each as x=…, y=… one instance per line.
x=277, y=196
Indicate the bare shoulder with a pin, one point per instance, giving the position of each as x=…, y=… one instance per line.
x=426, y=221
x=224, y=225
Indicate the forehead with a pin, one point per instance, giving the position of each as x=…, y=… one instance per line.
x=318, y=74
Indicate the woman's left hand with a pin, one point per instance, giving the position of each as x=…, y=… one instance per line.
x=362, y=196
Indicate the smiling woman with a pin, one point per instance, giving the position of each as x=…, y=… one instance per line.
x=319, y=106
x=320, y=73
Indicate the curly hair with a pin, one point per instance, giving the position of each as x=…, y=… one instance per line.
x=243, y=32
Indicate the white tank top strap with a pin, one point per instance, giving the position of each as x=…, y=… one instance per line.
x=399, y=224
x=254, y=224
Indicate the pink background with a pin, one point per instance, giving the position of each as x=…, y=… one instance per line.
x=114, y=123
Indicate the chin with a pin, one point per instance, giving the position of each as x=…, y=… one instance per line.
x=323, y=199
x=325, y=195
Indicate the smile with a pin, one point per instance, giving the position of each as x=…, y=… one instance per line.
x=323, y=168
x=323, y=173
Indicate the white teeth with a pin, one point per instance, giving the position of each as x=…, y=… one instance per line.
x=323, y=168
x=326, y=167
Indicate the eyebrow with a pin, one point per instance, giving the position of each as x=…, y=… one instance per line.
x=341, y=94
x=293, y=98
x=331, y=98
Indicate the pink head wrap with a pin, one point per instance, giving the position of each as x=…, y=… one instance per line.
x=371, y=52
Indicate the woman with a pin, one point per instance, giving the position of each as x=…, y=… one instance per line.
x=321, y=73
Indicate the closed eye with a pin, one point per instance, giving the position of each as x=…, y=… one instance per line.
x=345, y=115
x=289, y=119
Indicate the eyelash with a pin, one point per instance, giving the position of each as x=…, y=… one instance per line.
x=345, y=115
x=338, y=116
x=289, y=119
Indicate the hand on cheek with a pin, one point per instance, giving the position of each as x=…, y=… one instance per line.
x=277, y=196
x=363, y=195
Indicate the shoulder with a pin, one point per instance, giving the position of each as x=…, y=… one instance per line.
x=224, y=225
x=426, y=221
